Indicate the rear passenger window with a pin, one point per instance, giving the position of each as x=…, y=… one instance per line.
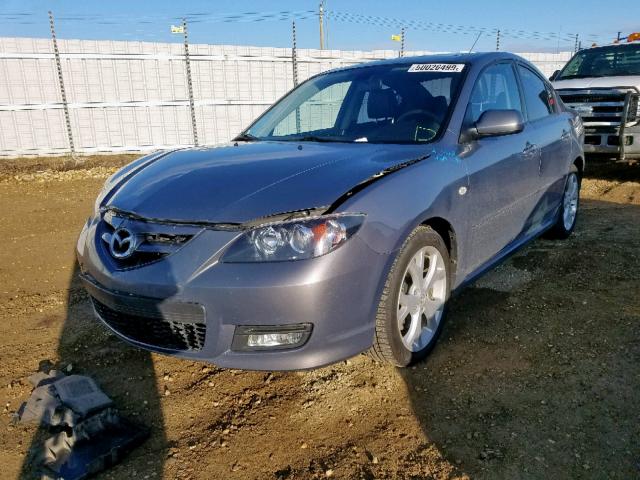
x=495, y=89
x=536, y=95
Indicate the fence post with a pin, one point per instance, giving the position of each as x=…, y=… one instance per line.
x=321, y=18
x=498, y=40
x=575, y=47
x=189, y=82
x=402, y=42
x=294, y=55
x=294, y=64
x=63, y=93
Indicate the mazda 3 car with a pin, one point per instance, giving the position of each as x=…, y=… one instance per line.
x=341, y=220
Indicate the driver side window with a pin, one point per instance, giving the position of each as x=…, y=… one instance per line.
x=496, y=89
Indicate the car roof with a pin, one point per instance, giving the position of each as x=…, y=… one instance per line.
x=473, y=58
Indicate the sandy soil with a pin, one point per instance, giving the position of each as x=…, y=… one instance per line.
x=537, y=374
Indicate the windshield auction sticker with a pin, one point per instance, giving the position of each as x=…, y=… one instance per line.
x=436, y=67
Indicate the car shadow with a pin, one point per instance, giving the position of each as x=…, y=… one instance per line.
x=536, y=374
x=124, y=373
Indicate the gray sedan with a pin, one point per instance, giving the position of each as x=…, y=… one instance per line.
x=341, y=220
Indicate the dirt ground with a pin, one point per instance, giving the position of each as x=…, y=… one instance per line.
x=537, y=374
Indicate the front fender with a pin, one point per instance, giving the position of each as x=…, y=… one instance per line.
x=395, y=205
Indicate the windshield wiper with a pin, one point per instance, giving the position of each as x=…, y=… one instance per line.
x=317, y=138
x=245, y=137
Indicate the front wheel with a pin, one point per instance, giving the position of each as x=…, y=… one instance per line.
x=568, y=214
x=413, y=304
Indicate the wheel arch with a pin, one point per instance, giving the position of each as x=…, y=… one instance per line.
x=579, y=163
x=444, y=228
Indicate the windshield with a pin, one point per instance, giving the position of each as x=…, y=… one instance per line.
x=377, y=104
x=603, y=62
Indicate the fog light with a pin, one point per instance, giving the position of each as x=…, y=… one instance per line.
x=270, y=337
x=274, y=339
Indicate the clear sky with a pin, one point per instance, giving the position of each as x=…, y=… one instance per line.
x=150, y=21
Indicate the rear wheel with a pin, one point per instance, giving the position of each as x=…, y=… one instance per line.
x=413, y=304
x=568, y=214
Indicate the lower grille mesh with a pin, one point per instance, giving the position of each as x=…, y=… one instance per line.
x=154, y=331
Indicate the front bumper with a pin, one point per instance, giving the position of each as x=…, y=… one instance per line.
x=188, y=304
x=611, y=118
x=610, y=143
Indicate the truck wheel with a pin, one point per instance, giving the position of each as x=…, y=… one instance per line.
x=568, y=213
x=414, y=300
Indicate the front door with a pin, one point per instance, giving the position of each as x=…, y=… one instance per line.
x=503, y=170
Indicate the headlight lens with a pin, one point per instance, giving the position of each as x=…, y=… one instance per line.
x=578, y=126
x=294, y=239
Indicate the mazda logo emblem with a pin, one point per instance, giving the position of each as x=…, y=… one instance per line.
x=122, y=243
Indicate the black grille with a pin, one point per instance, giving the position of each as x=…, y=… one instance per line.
x=592, y=97
x=153, y=330
x=154, y=240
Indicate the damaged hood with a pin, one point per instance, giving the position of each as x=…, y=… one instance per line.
x=236, y=184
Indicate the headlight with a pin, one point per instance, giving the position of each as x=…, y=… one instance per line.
x=294, y=239
x=578, y=125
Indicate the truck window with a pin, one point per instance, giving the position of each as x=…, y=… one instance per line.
x=603, y=62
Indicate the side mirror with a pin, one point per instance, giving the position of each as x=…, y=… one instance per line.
x=554, y=75
x=493, y=123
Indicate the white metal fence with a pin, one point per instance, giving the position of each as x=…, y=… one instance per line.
x=132, y=96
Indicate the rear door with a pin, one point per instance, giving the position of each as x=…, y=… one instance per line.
x=503, y=170
x=552, y=135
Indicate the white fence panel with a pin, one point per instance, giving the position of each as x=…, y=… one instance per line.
x=133, y=96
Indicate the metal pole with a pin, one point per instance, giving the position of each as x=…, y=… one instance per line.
x=498, y=41
x=623, y=124
x=294, y=64
x=619, y=35
x=321, y=18
x=294, y=60
x=402, y=42
x=575, y=47
x=326, y=33
x=63, y=93
x=189, y=83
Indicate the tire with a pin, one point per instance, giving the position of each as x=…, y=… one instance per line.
x=566, y=221
x=420, y=299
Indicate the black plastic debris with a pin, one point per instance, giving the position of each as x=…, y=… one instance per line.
x=88, y=433
x=39, y=379
x=43, y=406
x=94, y=445
x=81, y=394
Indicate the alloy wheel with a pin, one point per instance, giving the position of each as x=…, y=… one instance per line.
x=570, y=201
x=422, y=298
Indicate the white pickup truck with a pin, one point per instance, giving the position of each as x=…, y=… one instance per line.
x=603, y=85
